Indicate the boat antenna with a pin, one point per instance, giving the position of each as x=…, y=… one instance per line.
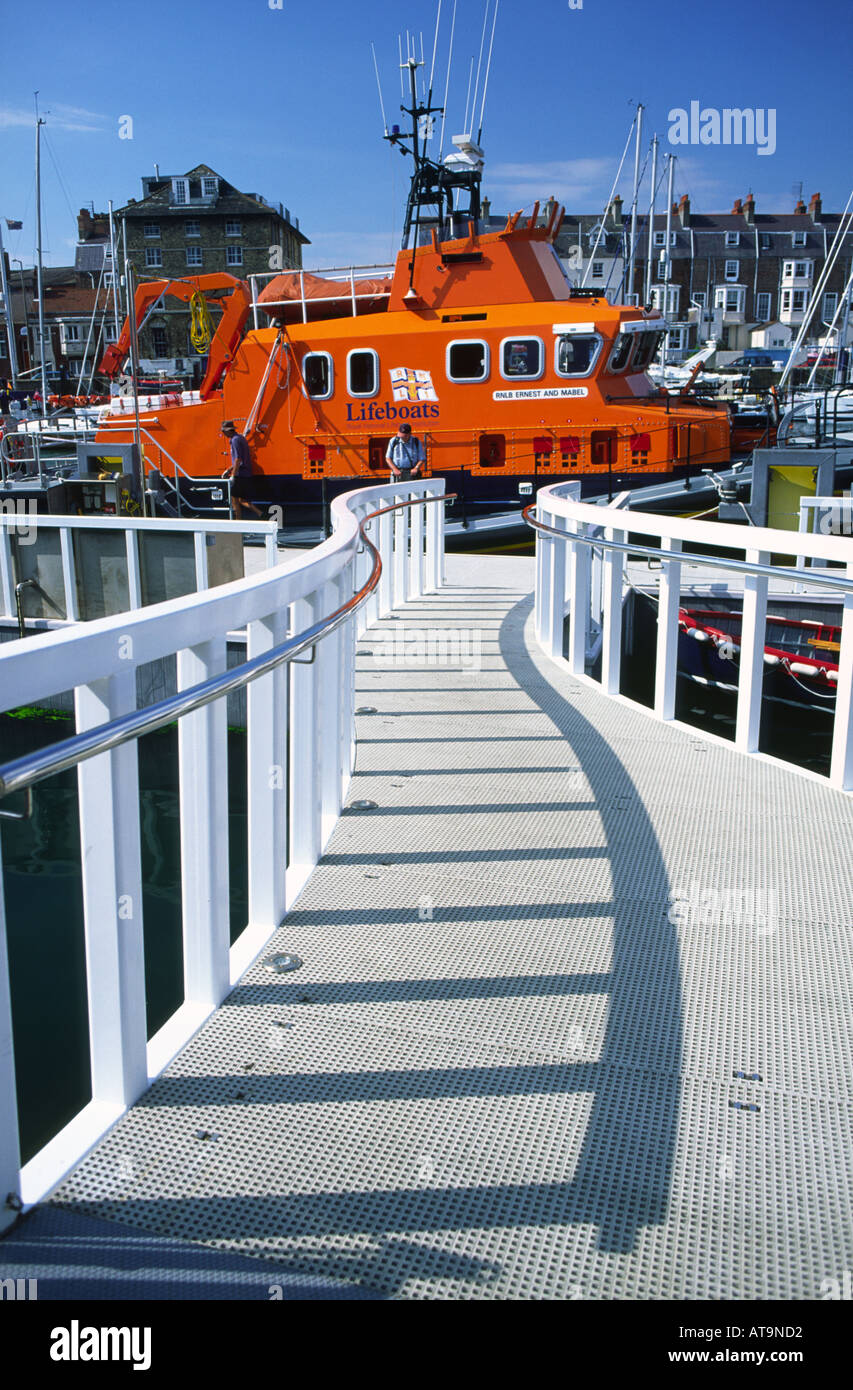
x=488, y=69
x=468, y=93
x=479, y=65
x=447, y=82
x=379, y=88
x=400, y=51
x=42, y=354
x=434, y=48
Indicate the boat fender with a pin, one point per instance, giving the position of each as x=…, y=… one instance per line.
x=771, y=660
x=699, y=634
x=798, y=668
x=831, y=676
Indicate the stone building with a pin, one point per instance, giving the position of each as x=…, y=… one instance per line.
x=193, y=224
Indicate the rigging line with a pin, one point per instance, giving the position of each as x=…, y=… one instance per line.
x=609, y=202
x=62, y=183
x=488, y=70
x=479, y=63
x=447, y=83
x=379, y=88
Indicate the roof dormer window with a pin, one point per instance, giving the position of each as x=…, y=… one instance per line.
x=798, y=238
x=732, y=238
x=180, y=190
x=209, y=187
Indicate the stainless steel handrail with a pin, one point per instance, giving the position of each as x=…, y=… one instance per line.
x=688, y=557
x=35, y=767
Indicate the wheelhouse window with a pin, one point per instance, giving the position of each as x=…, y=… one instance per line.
x=618, y=360
x=522, y=358
x=318, y=375
x=647, y=346
x=467, y=360
x=362, y=372
x=575, y=353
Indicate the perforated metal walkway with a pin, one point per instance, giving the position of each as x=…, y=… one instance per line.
x=510, y=1065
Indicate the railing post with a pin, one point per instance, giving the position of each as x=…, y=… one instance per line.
x=112, y=897
x=434, y=556
x=328, y=658
x=372, y=607
x=579, y=597
x=305, y=732
x=10, y=1144
x=266, y=721
x=401, y=552
x=841, y=766
x=613, y=563
x=347, y=725
x=203, y=769
x=416, y=552
x=751, y=665
x=69, y=582
x=386, y=550
x=666, y=659
x=134, y=581
x=200, y=555
x=7, y=584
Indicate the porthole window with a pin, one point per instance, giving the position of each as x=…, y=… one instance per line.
x=576, y=353
x=522, y=359
x=318, y=374
x=467, y=360
x=621, y=352
x=362, y=372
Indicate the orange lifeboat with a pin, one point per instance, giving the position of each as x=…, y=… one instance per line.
x=307, y=298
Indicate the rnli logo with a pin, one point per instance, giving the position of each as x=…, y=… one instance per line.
x=410, y=385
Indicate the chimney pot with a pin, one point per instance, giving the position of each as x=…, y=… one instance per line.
x=815, y=207
x=738, y=207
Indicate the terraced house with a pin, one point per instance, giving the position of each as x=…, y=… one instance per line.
x=193, y=224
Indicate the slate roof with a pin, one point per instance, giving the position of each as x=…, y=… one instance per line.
x=229, y=201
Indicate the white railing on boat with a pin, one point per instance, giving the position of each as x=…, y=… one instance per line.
x=346, y=276
x=300, y=746
x=832, y=516
x=568, y=533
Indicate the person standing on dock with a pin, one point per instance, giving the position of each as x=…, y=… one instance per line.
x=405, y=454
x=240, y=472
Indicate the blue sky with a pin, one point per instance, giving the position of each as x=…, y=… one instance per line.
x=283, y=102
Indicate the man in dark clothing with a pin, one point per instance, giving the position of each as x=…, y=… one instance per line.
x=240, y=472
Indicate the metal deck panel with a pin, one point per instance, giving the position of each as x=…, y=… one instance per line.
x=504, y=1070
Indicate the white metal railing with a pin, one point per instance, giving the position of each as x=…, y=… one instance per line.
x=345, y=276
x=27, y=526
x=836, y=511
x=300, y=746
x=563, y=585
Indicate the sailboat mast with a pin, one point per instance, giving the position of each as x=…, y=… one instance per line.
x=650, y=238
x=632, y=257
x=114, y=265
x=10, y=319
x=39, y=124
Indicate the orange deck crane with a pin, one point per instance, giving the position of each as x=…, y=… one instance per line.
x=231, y=293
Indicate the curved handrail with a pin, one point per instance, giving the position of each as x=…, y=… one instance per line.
x=24, y=772
x=838, y=581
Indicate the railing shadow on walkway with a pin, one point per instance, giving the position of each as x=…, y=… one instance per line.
x=622, y=1179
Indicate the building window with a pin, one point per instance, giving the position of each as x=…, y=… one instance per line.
x=794, y=301
x=194, y=256
x=108, y=280
x=830, y=304
x=762, y=308
x=233, y=227
x=362, y=372
x=732, y=238
x=153, y=257
x=318, y=374
x=665, y=298
x=598, y=270
x=798, y=238
x=731, y=270
x=730, y=301
x=192, y=228
x=151, y=229
x=71, y=332
x=180, y=191
x=700, y=298
x=467, y=361
x=766, y=242
x=160, y=342
x=209, y=187
x=522, y=357
x=676, y=339
x=233, y=255
x=663, y=267
x=660, y=238
x=575, y=353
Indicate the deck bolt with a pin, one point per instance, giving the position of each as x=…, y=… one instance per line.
x=282, y=963
x=363, y=805
x=366, y=709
